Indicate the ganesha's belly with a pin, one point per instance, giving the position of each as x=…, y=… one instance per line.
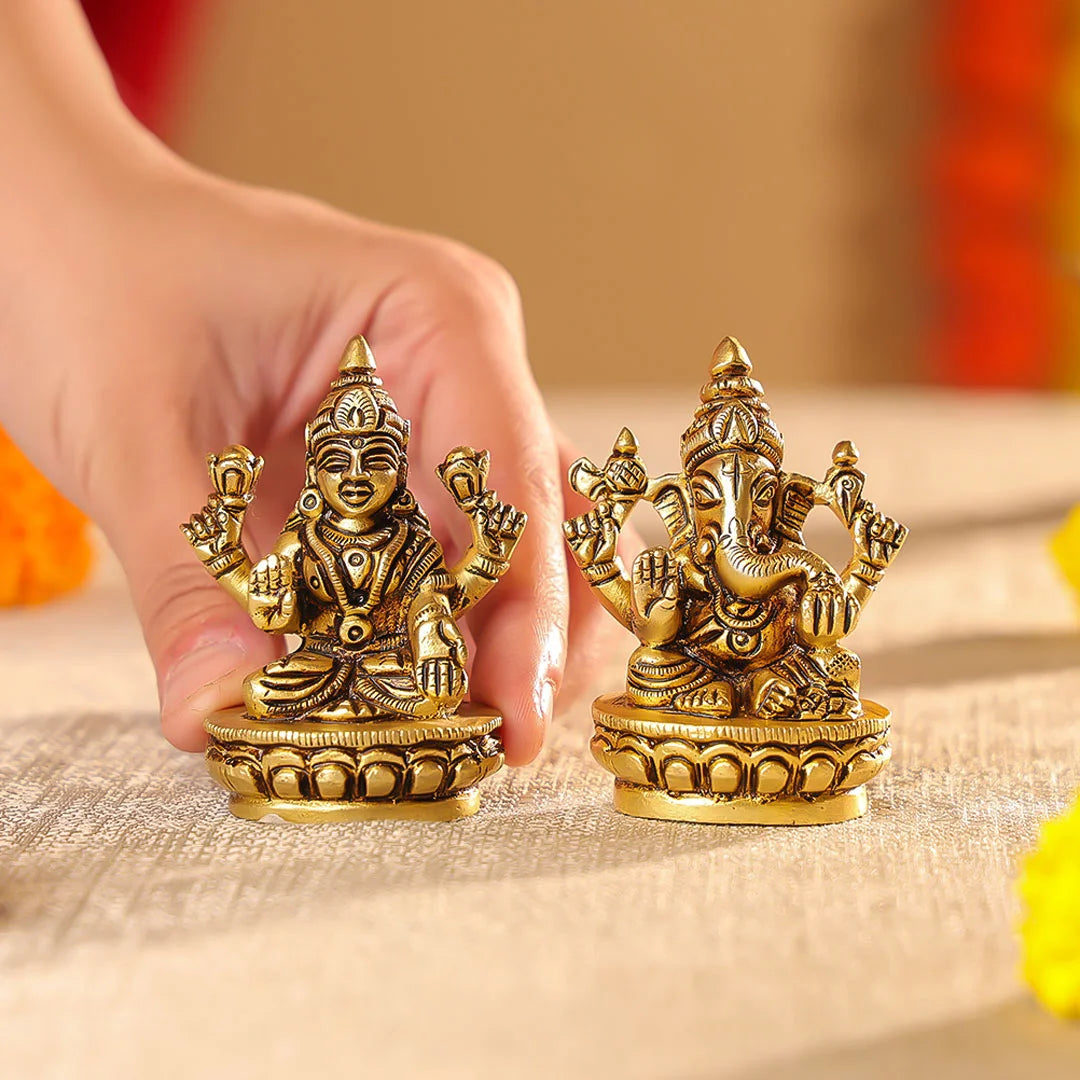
x=749, y=635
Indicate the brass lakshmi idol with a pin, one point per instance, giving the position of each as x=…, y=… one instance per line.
x=741, y=705
x=366, y=718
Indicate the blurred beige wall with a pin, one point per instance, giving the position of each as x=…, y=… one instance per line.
x=655, y=174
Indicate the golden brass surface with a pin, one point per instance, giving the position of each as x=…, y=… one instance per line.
x=741, y=706
x=649, y=803
x=739, y=770
x=321, y=770
x=365, y=718
x=453, y=808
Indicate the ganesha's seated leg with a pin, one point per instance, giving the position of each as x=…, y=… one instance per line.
x=841, y=665
x=298, y=686
x=807, y=684
x=843, y=672
x=659, y=678
x=773, y=694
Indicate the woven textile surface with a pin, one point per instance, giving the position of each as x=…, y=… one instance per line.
x=145, y=932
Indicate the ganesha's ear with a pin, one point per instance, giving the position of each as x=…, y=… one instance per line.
x=794, y=502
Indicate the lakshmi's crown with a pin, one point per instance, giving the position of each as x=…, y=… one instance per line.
x=733, y=414
x=357, y=403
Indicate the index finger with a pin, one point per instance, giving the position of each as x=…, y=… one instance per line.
x=462, y=372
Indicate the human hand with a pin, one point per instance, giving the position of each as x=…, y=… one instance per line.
x=198, y=312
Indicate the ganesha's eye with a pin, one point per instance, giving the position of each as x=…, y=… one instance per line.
x=705, y=490
x=765, y=493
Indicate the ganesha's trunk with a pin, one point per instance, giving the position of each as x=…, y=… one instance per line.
x=753, y=575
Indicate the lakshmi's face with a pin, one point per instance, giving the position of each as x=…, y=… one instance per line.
x=358, y=475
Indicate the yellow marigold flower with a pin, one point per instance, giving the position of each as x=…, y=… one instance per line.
x=1050, y=931
x=44, y=541
x=1065, y=547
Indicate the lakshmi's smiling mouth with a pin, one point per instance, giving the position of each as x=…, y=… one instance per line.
x=356, y=492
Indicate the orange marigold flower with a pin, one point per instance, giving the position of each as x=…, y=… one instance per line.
x=45, y=547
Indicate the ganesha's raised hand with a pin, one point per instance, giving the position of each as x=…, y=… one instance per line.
x=272, y=597
x=877, y=537
x=593, y=537
x=655, y=596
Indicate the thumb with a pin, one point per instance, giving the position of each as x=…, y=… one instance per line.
x=201, y=642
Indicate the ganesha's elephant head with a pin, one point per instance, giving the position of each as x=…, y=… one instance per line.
x=748, y=519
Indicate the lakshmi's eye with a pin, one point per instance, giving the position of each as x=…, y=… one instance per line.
x=380, y=461
x=334, y=462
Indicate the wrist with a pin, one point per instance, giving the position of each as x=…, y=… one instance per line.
x=867, y=572
x=67, y=142
x=598, y=573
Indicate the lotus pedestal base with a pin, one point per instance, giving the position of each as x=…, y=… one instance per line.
x=739, y=770
x=311, y=771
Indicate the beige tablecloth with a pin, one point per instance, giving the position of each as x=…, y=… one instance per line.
x=145, y=932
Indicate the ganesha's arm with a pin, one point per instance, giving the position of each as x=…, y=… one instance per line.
x=877, y=539
x=611, y=586
x=593, y=539
x=235, y=579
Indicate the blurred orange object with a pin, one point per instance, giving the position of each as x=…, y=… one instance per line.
x=994, y=173
x=45, y=547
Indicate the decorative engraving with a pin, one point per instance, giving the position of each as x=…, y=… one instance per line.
x=322, y=762
x=738, y=621
x=357, y=574
x=815, y=760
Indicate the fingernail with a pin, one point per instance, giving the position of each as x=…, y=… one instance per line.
x=545, y=702
x=193, y=683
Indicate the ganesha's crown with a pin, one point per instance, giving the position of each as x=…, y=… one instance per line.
x=357, y=403
x=733, y=414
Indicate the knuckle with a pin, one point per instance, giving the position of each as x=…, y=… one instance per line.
x=457, y=273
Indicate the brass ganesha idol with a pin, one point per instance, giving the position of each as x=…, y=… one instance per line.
x=367, y=717
x=741, y=706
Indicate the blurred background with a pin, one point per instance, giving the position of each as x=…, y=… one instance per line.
x=864, y=191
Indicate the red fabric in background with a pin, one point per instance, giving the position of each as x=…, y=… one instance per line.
x=148, y=45
x=993, y=173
